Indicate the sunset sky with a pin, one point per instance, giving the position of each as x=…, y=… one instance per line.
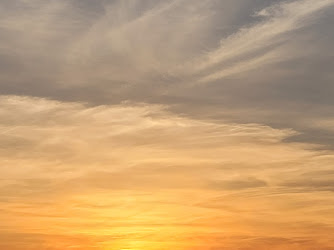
x=167, y=124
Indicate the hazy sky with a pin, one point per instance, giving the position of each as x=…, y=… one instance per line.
x=167, y=124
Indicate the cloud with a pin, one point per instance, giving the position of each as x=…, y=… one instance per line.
x=174, y=124
x=40, y=132
x=312, y=181
x=243, y=183
x=280, y=19
x=153, y=41
x=259, y=57
x=136, y=165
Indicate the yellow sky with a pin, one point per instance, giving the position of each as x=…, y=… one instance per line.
x=135, y=176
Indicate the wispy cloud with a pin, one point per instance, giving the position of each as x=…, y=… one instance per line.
x=179, y=124
x=135, y=164
x=251, y=47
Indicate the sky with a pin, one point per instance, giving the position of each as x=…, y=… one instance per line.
x=166, y=124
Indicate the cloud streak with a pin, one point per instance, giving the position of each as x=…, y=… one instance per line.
x=279, y=20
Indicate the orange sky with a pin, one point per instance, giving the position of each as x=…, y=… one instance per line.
x=139, y=177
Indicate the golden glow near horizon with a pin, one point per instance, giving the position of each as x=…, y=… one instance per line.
x=139, y=177
x=166, y=125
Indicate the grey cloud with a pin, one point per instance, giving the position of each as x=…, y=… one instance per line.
x=37, y=58
x=311, y=184
x=238, y=184
x=312, y=180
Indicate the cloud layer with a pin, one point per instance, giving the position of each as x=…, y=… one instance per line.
x=111, y=175
x=180, y=124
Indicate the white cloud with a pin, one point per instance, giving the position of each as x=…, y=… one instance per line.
x=279, y=20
